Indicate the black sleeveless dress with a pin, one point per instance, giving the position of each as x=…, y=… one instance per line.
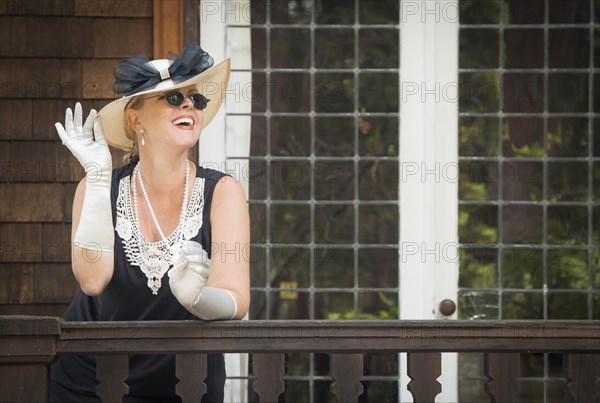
x=133, y=294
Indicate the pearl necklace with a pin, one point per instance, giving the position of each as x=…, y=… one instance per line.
x=138, y=177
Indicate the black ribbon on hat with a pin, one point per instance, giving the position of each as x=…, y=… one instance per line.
x=137, y=74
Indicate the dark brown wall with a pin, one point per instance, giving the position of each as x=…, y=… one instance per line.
x=52, y=54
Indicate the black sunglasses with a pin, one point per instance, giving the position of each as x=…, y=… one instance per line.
x=175, y=98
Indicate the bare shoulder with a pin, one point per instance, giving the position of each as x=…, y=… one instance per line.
x=229, y=190
x=229, y=199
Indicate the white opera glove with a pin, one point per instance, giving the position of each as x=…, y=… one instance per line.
x=189, y=273
x=187, y=279
x=95, y=229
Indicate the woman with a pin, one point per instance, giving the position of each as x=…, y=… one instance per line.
x=160, y=214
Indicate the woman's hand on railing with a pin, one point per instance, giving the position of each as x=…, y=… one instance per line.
x=189, y=273
x=187, y=279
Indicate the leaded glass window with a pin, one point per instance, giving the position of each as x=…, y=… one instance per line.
x=324, y=163
x=530, y=170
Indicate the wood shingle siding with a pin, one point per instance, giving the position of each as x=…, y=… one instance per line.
x=53, y=54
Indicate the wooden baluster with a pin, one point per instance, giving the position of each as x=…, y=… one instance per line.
x=423, y=370
x=111, y=371
x=583, y=376
x=268, y=370
x=346, y=371
x=502, y=370
x=190, y=369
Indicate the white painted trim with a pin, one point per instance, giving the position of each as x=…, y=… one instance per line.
x=428, y=169
x=212, y=40
x=220, y=142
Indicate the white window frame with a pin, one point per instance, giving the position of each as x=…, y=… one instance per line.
x=429, y=169
x=219, y=139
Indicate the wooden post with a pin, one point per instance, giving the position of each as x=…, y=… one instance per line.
x=27, y=347
x=168, y=27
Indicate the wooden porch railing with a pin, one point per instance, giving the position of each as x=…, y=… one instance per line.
x=29, y=344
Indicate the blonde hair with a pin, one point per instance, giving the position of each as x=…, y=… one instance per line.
x=133, y=152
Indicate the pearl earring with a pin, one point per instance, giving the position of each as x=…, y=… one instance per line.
x=141, y=132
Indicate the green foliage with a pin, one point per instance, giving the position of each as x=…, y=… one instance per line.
x=478, y=136
x=478, y=268
x=474, y=225
x=567, y=268
x=524, y=305
x=474, y=191
x=482, y=12
x=533, y=150
x=479, y=92
x=374, y=140
x=390, y=311
x=522, y=268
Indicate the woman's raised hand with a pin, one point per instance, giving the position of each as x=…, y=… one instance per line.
x=93, y=155
x=95, y=230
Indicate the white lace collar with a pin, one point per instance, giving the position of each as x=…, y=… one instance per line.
x=154, y=258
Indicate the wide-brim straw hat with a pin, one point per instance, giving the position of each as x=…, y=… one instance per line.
x=139, y=76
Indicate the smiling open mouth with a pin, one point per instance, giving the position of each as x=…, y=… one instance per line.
x=183, y=122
